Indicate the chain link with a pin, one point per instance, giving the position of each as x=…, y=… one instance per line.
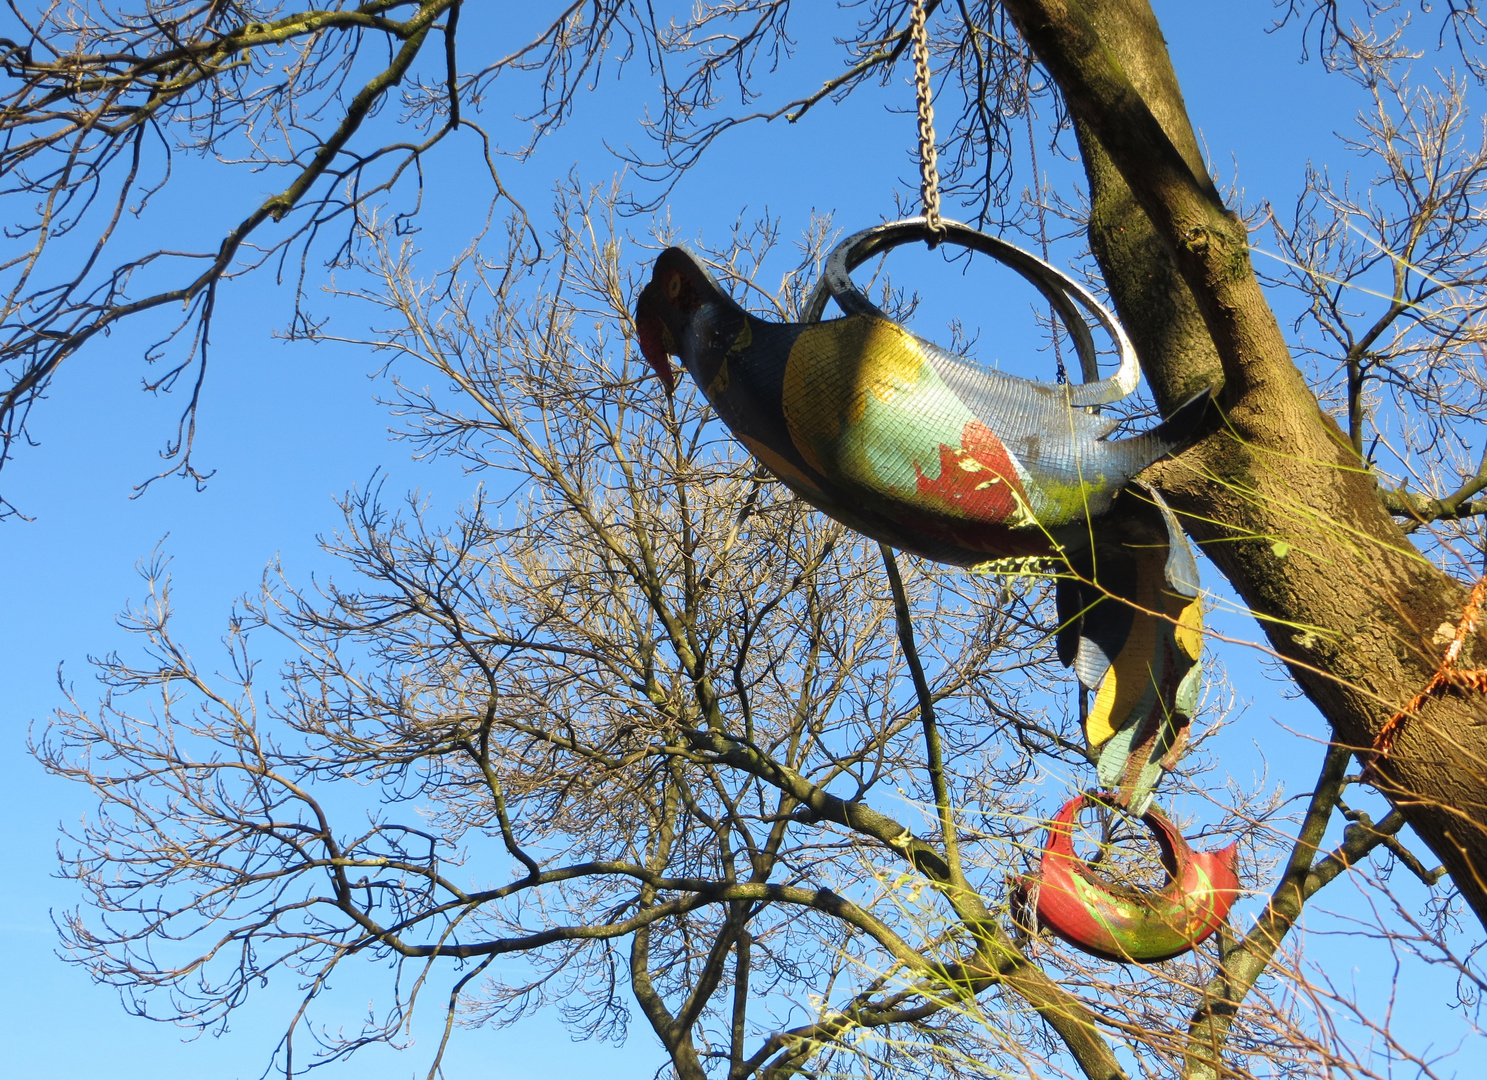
x=929, y=171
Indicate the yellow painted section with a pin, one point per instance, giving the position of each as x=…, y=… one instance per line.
x=834, y=366
x=1189, y=628
x=1131, y=673
x=744, y=340
x=1125, y=682
x=719, y=386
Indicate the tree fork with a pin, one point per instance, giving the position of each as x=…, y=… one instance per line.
x=1276, y=496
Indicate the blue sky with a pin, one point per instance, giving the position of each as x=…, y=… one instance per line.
x=288, y=428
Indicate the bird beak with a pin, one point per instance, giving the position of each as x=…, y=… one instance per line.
x=655, y=340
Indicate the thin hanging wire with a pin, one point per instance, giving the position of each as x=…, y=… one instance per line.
x=1058, y=352
x=929, y=170
x=1053, y=321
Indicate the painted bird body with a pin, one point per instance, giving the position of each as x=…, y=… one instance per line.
x=890, y=434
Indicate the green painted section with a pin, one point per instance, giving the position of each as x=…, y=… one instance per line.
x=1156, y=928
x=1056, y=504
x=893, y=436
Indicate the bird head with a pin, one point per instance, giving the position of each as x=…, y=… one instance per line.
x=677, y=289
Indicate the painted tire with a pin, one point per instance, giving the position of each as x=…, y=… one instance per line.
x=1125, y=924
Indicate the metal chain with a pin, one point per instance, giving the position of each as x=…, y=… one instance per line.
x=929, y=172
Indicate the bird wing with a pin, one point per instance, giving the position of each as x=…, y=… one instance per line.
x=1131, y=623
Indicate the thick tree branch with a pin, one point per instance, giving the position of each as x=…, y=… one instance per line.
x=934, y=758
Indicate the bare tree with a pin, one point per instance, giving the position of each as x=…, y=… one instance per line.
x=337, y=105
x=1401, y=362
x=662, y=735
x=689, y=739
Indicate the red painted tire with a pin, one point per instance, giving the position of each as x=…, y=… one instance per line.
x=1125, y=924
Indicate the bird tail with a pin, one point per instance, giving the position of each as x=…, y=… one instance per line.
x=1139, y=451
x=1131, y=626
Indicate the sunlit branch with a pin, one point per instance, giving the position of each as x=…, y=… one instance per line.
x=1242, y=962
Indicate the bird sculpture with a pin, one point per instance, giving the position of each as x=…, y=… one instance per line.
x=939, y=456
x=892, y=435
x=1119, y=922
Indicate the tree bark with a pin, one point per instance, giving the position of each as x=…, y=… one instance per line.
x=1274, y=493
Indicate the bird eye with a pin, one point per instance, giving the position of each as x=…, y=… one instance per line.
x=673, y=285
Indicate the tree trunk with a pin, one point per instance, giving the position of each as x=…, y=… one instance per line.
x=1275, y=493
